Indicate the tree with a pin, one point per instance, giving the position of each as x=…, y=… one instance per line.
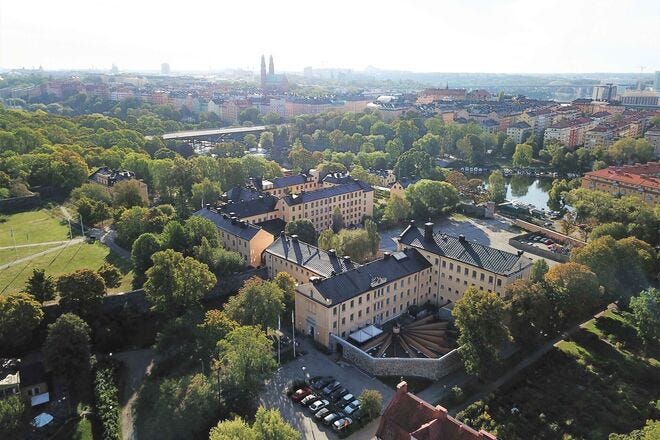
x=650, y=431
x=67, y=347
x=110, y=274
x=174, y=236
x=576, y=287
x=215, y=326
x=471, y=149
x=128, y=194
x=480, y=320
x=40, y=285
x=371, y=403
x=266, y=140
x=258, y=303
x=304, y=229
x=234, y=429
x=645, y=313
x=205, y=192
x=20, y=314
x=530, y=309
x=355, y=243
x=373, y=235
x=11, y=417
x=326, y=239
x=337, y=220
x=522, y=157
x=429, y=143
x=198, y=228
x=245, y=361
x=176, y=284
x=413, y=164
x=131, y=225
x=301, y=159
x=429, y=198
x=397, y=210
x=288, y=285
x=497, y=187
x=269, y=425
x=143, y=248
x=538, y=270
x=81, y=292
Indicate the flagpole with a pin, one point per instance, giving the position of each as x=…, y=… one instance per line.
x=293, y=332
x=279, y=357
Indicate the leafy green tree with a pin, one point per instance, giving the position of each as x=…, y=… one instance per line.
x=577, y=288
x=429, y=143
x=558, y=191
x=429, y=198
x=373, y=236
x=92, y=191
x=301, y=159
x=413, y=164
x=233, y=429
x=497, y=187
x=143, y=248
x=650, y=431
x=269, y=425
x=288, y=286
x=205, y=192
x=645, y=313
x=197, y=228
x=110, y=274
x=245, y=361
x=266, y=140
x=326, y=239
x=407, y=132
x=128, y=194
x=522, y=156
x=67, y=347
x=215, y=326
x=337, y=220
x=258, y=303
x=531, y=311
x=131, y=225
x=616, y=230
x=20, y=314
x=81, y=292
x=40, y=285
x=480, y=318
x=397, y=210
x=174, y=236
x=176, y=284
x=538, y=270
x=11, y=417
x=471, y=149
x=371, y=403
x=304, y=229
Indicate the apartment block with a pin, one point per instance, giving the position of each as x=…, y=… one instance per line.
x=640, y=180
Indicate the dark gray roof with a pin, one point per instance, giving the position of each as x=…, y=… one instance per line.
x=274, y=226
x=347, y=285
x=222, y=221
x=406, y=182
x=241, y=194
x=283, y=182
x=112, y=176
x=32, y=374
x=309, y=256
x=324, y=193
x=470, y=252
x=522, y=125
x=338, y=178
x=262, y=204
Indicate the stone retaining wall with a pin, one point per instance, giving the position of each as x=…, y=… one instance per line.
x=514, y=241
x=556, y=236
x=433, y=369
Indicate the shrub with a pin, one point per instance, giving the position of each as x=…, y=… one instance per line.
x=106, y=394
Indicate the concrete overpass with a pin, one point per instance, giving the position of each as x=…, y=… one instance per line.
x=212, y=135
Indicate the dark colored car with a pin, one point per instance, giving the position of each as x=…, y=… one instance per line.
x=327, y=420
x=300, y=394
x=320, y=382
x=338, y=394
x=331, y=387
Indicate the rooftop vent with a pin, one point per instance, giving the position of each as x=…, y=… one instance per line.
x=332, y=252
x=347, y=258
x=461, y=238
x=520, y=253
x=208, y=206
x=386, y=255
x=294, y=238
x=428, y=231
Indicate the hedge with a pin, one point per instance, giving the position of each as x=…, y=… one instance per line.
x=106, y=394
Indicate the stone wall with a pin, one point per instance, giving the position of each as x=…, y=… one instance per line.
x=18, y=204
x=433, y=369
x=514, y=241
x=556, y=236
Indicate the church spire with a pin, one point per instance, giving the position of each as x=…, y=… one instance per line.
x=271, y=66
x=263, y=71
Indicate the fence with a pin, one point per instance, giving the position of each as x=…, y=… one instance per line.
x=433, y=369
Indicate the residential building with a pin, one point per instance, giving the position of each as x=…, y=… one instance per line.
x=281, y=186
x=428, y=96
x=302, y=260
x=374, y=293
x=519, y=131
x=249, y=205
x=27, y=380
x=408, y=417
x=642, y=98
x=398, y=188
x=604, y=92
x=239, y=236
x=570, y=132
x=601, y=135
x=108, y=177
x=354, y=201
x=459, y=263
x=653, y=136
x=641, y=180
x=538, y=120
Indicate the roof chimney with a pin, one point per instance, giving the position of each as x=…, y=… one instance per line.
x=332, y=252
x=234, y=220
x=294, y=238
x=412, y=222
x=386, y=255
x=461, y=238
x=428, y=231
x=347, y=258
x=520, y=253
x=282, y=234
x=208, y=206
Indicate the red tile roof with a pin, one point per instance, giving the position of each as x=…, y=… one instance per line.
x=407, y=415
x=642, y=175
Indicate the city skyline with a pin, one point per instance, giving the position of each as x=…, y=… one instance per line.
x=506, y=37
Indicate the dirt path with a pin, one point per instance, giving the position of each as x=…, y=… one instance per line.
x=38, y=254
x=138, y=364
x=44, y=243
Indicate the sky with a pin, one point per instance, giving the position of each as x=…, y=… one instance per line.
x=494, y=36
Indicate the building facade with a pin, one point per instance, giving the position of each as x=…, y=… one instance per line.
x=638, y=180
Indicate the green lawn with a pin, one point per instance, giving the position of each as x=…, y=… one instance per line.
x=77, y=429
x=79, y=256
x=32, y=227
x=597, y=382
x=10, y=254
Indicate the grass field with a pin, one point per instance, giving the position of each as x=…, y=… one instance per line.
x=8, y=255
x=598, y=382
x=32, y=227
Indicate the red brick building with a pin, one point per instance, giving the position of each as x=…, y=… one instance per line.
x=409, y=417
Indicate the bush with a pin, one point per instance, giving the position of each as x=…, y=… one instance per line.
x=106, y=394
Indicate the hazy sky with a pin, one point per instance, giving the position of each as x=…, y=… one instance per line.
x=440, y=35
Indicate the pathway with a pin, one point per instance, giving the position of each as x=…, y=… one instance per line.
x=38, y=254
x=65, y=212
x=43, y=243
x=108, y=239
x=138, y=364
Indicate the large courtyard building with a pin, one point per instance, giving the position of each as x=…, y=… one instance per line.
x=638, y=180
x=459, y=263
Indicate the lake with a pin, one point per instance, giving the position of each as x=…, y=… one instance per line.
x=528, y=190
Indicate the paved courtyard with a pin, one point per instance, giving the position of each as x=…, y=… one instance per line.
x=318, y=364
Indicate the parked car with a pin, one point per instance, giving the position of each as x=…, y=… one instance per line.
x=348, y=398
x=308, y=400
x=330, y=388
x=342, y=423
x=548, y=241
x=321, y=381
x=320, y=414
x=338, y=394
x=327, y=420
x=352, y=407
x=318, y=405
x=301, y=393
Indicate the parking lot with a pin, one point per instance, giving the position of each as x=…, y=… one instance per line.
x=318, y=364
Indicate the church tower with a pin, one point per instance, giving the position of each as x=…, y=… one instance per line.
x=271, y=66
x=263, y=71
